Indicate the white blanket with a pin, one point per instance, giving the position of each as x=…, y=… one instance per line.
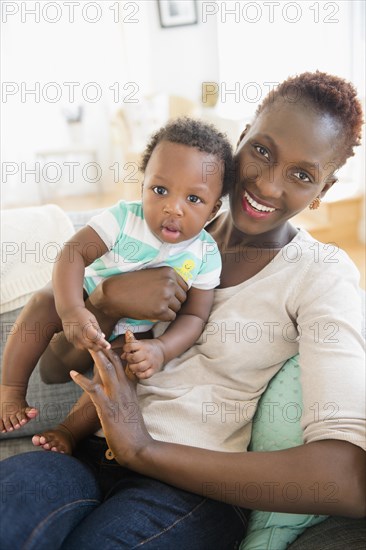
x=30, y=240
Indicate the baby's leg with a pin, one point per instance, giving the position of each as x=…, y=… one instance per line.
x=81, y=421
x=28, y=339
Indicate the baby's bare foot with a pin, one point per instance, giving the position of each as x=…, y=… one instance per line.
x=14, y=410
x=57, y=440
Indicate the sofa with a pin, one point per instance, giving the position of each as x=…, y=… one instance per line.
x=268, y=531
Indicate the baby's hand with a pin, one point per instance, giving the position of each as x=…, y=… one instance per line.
x=14, y=410
x=144, y=357
x=82, y=329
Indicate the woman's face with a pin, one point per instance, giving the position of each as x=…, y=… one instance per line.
x=284, y=160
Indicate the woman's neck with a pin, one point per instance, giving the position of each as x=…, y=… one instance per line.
x=228, y=237
x=243, y=256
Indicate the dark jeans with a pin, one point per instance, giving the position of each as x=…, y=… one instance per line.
x=50, y=500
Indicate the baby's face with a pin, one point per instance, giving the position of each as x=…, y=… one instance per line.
x=181, y=191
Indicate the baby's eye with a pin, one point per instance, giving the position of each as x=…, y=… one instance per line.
x=302, y=176
x=159, y=190
x=262, y=151
x=194, y=198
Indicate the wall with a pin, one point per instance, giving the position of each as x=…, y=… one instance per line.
x=125, y=45
x=183, y=57
x=37, y=53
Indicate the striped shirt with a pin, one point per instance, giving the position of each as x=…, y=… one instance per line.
x=132, y=246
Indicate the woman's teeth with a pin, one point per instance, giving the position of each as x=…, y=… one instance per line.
x=256, y=205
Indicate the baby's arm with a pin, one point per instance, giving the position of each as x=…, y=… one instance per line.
x=145, y=357
x=80, y=325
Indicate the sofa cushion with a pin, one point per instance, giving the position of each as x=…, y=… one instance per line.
x=276, y=426
x=52, y=400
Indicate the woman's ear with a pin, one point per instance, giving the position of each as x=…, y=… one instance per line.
x=215, y=209
x=330, y=182
x=243, y=134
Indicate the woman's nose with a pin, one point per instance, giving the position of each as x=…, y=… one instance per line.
x=270, y=183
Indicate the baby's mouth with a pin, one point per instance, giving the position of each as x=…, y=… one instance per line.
x=171, y=226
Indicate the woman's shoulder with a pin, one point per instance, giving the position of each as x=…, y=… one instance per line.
x=318, y=255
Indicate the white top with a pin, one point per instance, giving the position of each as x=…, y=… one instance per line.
x=306, y=300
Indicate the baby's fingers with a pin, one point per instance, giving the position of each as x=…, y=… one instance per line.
x=129, y=337
x=135, y=357
x=131, y=347
x=146, y=374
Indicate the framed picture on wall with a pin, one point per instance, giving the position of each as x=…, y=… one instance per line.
x=175, y=13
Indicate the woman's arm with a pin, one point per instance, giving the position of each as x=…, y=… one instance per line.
x=324, y=477
x=155, y=293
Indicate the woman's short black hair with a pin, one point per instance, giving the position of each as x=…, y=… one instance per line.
x=327, y=94
x=201, y=135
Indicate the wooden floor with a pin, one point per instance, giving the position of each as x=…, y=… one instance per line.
x=352, y=246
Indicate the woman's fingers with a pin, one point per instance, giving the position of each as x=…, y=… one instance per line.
x=109, y=367
x=181, y=290
x=81, y=380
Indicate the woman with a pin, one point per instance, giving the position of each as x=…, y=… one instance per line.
x=277, y=282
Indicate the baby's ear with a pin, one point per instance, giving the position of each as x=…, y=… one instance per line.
x=215, y=209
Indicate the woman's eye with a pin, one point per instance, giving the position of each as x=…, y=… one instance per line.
x=262, y=151
x=159, y=190
x=302, y=176
x=194, y=198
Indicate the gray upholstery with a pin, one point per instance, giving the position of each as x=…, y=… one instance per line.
x=336, y=533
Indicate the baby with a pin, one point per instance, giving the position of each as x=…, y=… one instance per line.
x=186, y=168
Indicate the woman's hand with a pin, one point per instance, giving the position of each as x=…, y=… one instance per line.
x=156, y=293
x=115, y=400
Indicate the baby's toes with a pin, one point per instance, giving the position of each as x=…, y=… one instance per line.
x=54, y=445
x=22, y=418
x=29, y=413
x=36, y=440
x=48, y=444
x=42, y=440
x=14, y=421
x=52, y=442
x=58, y=446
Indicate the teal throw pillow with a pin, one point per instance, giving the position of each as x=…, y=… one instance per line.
x=276, y=426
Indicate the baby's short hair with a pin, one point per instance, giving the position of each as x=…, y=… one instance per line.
x=200, y=135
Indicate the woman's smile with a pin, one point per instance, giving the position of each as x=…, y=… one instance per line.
x=255, y=208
